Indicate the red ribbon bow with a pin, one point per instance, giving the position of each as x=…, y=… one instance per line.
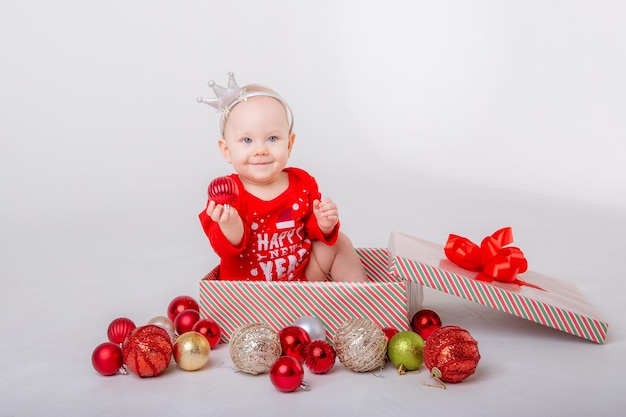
x=491, y=259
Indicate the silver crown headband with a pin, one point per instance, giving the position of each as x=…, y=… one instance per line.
x=227, y=98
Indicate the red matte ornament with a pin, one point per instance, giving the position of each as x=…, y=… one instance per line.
x=424, y=322
x=107, y=358
x=223, y=190
x=451, y=354
x=319, y=356
x=287, y=374
x=293, y=341
x=185, y=320
x=180, y=303
x=147, y=350
x=120, y=328
x=209, y=329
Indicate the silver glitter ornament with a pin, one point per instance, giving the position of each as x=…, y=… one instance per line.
x=361, y=345
x=254, y=347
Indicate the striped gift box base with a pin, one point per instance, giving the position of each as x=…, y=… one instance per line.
x=385, y=300
x=560, y=306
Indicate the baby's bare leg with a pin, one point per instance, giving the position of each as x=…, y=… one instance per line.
x=339, y=260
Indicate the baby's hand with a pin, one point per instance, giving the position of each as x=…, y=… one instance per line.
x=326, y=214
x=229, y=220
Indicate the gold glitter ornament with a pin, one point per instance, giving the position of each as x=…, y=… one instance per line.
x=254, y=347
x=191, y=351
x=361, y=345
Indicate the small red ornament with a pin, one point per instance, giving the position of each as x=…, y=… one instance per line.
x=223, y=190
x=424, y=322
x=107, y=358
x=209, y=329
x=120, y=328
x=319, y=356
x=287, y=374
x=389, y=332
x=185, y=320
x=181, y=303
x=147, y=350
x=293, y=341
x=451, y=354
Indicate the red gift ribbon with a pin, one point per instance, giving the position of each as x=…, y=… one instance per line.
x=492, y=260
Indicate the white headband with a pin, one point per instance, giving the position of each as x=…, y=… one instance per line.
x=227, y=98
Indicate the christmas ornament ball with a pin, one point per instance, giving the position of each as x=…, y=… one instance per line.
x=405, y=351
x=209, y=329
x=424, y=322
x=107, y=358
x=313, y=326
x=361, y=345
x=286, y=373
x=390, y=332
x=191, y=351
x=165, y=323
x=254, y=347
x=185, y=320
x=180, y=303
x=120, y=328
x=147, y=350
x=319, y=356
x=293, y=341
x=451, y=354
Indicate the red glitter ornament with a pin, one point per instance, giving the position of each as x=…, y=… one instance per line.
x=107, y=358
x=185, y=320
x=287, y=374
x=120, y=328
x=147, y=350
x=293, y=341
x=223, y=190
x=209, y=329
x=319, y=356
x=424, y=322
x=451, y=354
x=180, y=303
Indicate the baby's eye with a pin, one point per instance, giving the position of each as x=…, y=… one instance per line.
x=272, y=139
x=246, y=140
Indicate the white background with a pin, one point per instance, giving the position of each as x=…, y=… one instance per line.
x=424, y=117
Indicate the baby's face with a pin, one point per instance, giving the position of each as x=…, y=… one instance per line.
x=257, y=141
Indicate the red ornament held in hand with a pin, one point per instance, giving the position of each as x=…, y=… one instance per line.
x=223, y=190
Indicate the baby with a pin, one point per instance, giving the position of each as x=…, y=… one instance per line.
x=279, y=228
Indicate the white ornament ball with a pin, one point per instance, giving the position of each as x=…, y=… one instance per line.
x=313, y=326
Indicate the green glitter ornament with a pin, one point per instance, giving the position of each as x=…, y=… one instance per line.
x=405, y=351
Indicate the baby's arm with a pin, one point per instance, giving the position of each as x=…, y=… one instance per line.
x=327, y=215
x=228, y=220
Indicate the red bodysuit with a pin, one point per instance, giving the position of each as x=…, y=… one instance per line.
x=277, y=236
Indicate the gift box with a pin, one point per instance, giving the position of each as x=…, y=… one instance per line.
x=386, y=299
x=532, y=296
